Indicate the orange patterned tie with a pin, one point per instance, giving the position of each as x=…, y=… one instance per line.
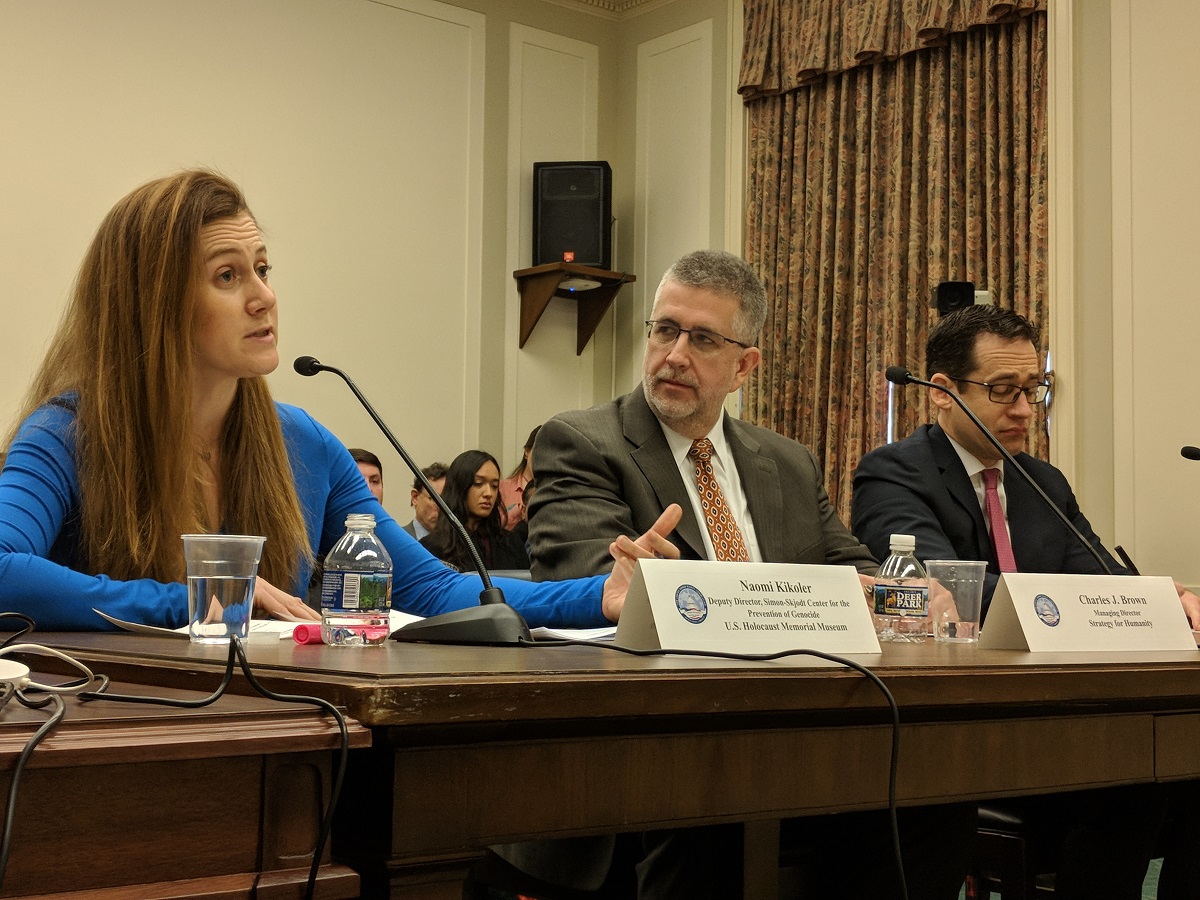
x=724, y=531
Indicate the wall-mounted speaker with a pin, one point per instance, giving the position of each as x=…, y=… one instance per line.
x=572, y=213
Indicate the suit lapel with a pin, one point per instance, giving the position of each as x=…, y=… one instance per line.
x=1031, y=539
x=959, y=486
x=652, y=455
x=760, y=481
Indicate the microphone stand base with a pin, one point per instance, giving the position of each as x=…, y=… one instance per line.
x=496, y=625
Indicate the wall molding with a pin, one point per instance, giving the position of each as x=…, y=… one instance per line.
x=612, y=9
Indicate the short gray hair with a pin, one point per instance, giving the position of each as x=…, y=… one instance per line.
x=728, y=275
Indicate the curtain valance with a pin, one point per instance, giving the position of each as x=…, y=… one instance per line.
x=789, y=43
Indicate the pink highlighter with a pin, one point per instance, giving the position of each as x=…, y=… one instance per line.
x=307, y=634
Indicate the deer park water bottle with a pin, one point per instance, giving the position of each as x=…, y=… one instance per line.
x=902, y=594
x=356, y=588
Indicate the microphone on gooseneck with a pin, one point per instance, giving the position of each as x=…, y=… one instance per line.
x=493, y=621
x=1190, y=452
x=901, y=375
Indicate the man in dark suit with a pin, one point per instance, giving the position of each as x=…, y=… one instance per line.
x=608, y=469
x=932, y=484
x=941, y=485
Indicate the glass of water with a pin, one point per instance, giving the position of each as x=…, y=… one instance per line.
x=221, y=569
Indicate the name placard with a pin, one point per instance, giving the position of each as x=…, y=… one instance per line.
x=1086, y=612
x=745, y=608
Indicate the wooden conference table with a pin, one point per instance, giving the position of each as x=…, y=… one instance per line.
x=479, y=745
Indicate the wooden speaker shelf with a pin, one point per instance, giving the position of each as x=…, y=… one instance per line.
x=593, y=291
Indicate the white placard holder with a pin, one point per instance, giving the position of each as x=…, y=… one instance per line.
x=1086, y=612
x=737, y=607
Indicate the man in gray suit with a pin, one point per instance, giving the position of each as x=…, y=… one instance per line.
x=425, y=509
x=614, y=469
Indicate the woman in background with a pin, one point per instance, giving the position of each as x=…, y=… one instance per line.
x=150, y=417
x=512, y=488
x=472, y=492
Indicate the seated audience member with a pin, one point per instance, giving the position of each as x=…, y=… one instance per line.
x=372, y=470
x=512, y=488
x=948, y=486
x=110, y=462
x=472, y=493
x=425, y=510
x=607, y=469
x=522, y=530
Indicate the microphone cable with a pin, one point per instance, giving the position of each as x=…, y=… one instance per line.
x=14, y=677
x=894, y=708
x=238, y=654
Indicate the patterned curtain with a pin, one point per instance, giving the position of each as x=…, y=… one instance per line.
x=893, y=144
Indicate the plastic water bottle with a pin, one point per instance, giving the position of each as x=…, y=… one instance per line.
x=356, y=589
x=902, y=594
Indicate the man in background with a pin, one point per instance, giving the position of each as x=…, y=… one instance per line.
x=371, y=468
x=425, y=509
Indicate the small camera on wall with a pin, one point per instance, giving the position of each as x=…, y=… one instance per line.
x=953, y=295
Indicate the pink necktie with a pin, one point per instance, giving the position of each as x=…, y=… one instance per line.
x=995, y=514
x=725, y=534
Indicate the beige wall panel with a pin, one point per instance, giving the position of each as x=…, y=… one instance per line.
x=553, y=91
x=355, y=128
x=674, y=194
x=1158, y=300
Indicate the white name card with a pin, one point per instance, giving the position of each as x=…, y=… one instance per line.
x=745, y=608
x=1086, y=612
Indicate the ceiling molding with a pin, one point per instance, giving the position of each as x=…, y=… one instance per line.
x=612, y=9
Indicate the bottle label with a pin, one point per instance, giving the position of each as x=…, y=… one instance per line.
x=901, y=600
x=362, y=591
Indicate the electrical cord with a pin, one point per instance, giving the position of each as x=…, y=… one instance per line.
x=237, y=653
x=894, y=762
x=60, y=710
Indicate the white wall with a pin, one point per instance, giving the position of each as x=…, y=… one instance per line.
x=1136, y=303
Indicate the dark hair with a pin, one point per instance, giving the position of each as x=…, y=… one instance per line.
x=520, y=469
x=433, y=472
x=444, y=541
x=950, y=349
x=366, y=456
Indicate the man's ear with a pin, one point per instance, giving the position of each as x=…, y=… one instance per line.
x=939, y=398
x=747, y=363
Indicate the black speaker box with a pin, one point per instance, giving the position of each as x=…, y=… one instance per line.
x=572, y=213
x=950, y=296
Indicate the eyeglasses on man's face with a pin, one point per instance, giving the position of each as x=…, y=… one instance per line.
x=1008, y=393
x=701, y=339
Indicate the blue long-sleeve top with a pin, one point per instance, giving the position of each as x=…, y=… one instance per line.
x=40, y=568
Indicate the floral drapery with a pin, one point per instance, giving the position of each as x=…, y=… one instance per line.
x=869, y=182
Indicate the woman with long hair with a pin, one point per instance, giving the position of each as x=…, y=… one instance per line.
x=472, y=492
x=150, y=417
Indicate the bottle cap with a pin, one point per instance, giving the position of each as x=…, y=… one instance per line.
x=902, y=543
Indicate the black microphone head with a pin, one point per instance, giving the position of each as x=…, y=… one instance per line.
x=307, y=365
x=897, y=374
x=1190, y=452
